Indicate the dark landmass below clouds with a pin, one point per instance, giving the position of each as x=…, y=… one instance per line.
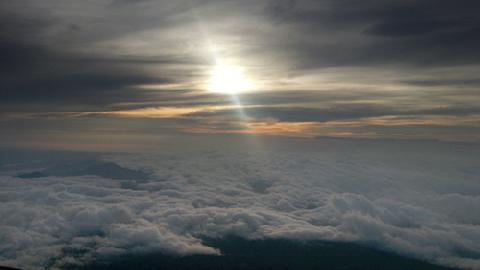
x=8, y=268
x=241, y=254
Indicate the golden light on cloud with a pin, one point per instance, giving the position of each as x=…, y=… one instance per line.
x=261, y=128
x=165, y=112
x=228, y=79
x=159, y=112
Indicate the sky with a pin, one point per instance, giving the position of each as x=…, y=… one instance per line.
x=112, y=74
x=133, y=127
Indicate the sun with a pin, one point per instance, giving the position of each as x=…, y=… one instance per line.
x=228, y=79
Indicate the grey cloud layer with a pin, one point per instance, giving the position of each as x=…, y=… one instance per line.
x=37, y=40
x=408, y=32
x=358, y=111
x=413, y=198
x=71, y=56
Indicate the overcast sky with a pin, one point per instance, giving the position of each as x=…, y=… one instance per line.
x=78, y=74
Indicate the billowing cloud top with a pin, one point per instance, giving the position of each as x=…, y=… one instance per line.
x=413, y=198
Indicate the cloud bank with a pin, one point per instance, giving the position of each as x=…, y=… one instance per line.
x=412, y=198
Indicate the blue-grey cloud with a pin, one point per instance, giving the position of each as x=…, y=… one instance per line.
x=357, y=111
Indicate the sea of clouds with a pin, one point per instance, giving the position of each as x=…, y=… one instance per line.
x=420, y=199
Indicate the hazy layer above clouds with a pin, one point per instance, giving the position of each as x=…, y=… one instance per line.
x=412, y=198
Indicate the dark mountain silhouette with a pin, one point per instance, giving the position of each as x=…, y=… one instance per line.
x=241, y=254
x=88, y=167
x=8, y=268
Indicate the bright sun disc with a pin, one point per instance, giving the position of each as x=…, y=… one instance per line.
x=228, y=79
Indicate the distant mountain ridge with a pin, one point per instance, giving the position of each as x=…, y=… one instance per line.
x=88, y=167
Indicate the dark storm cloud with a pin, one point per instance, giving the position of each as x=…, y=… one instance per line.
x=42, y=67
x=18, y=47
x=16, y=56
x=86, y=88
x=41, y=70
x=374, y=32
x=42, y=77
x=443, y=82
x=37, y=73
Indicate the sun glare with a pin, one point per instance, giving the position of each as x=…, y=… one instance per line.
x=228, y=79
